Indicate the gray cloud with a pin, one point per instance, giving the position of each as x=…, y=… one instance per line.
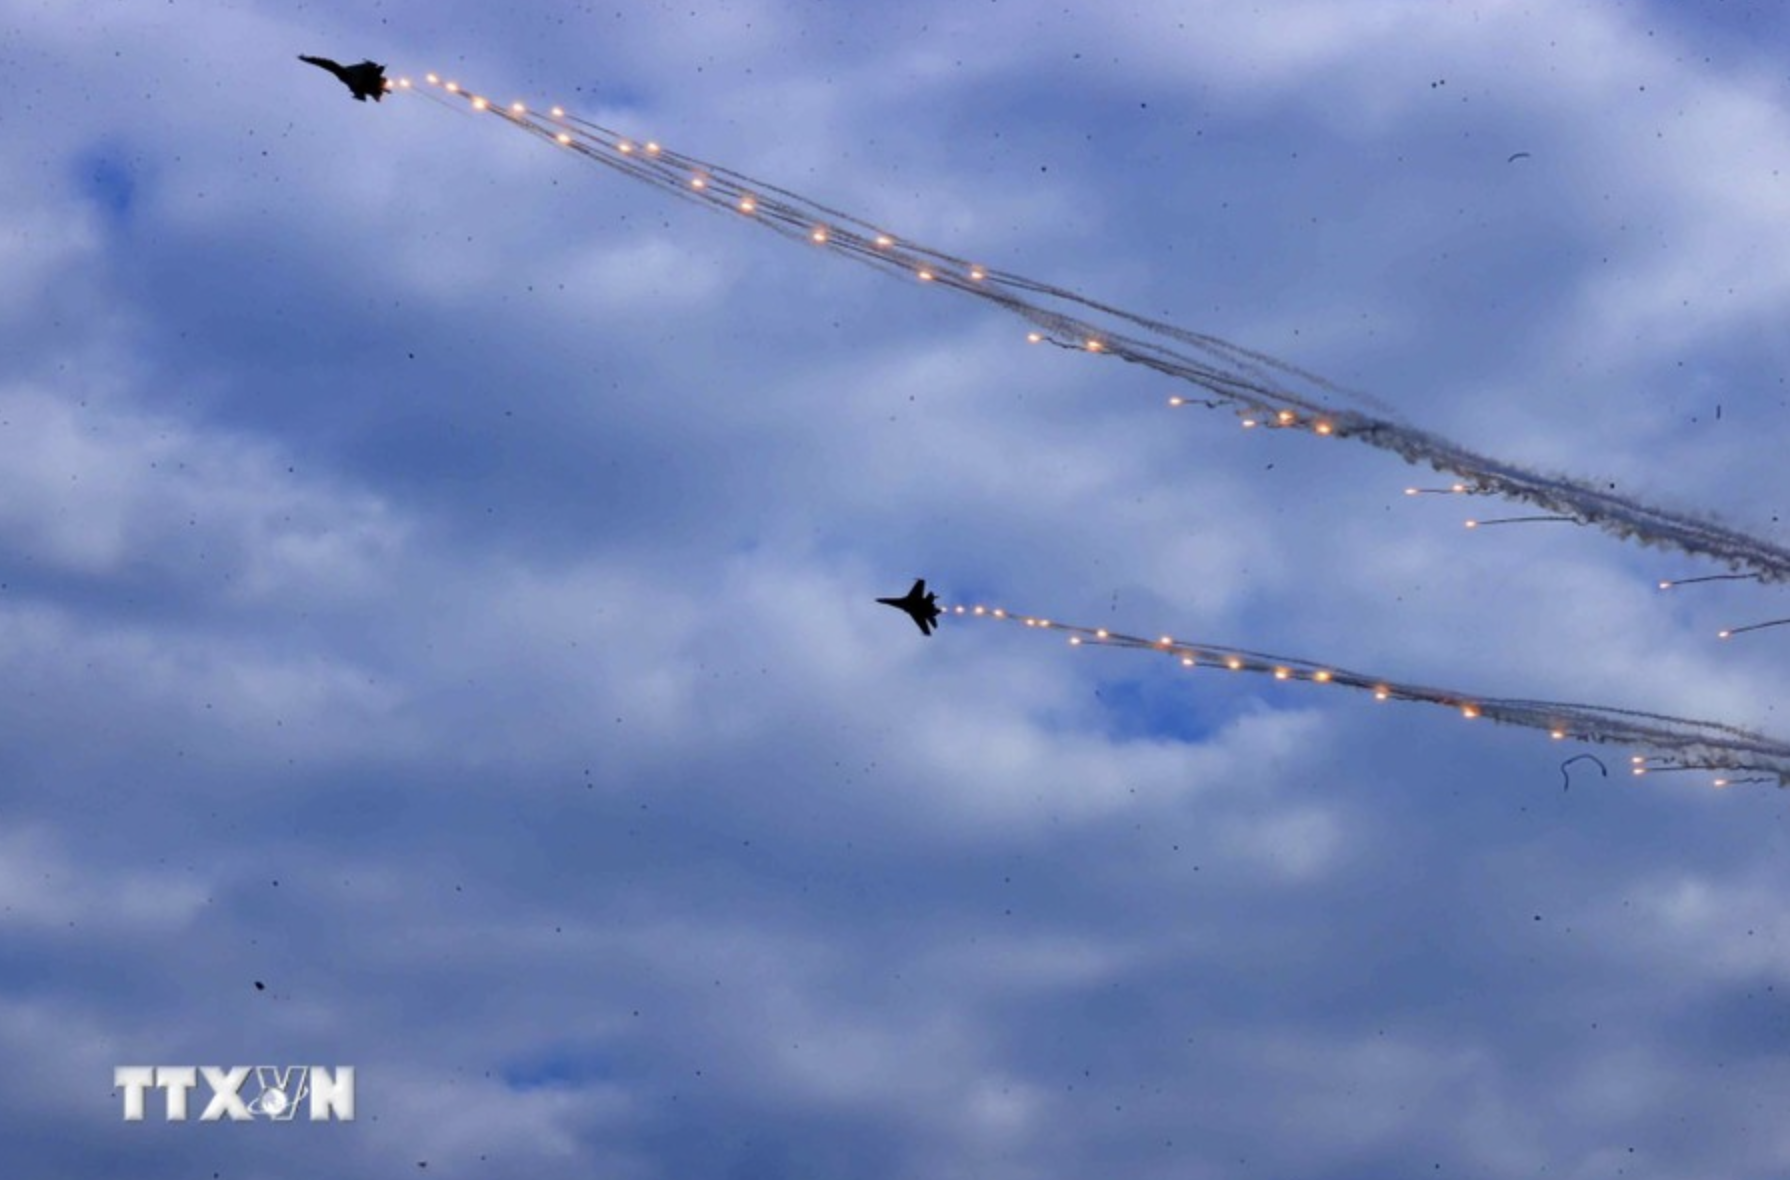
x=484, y=551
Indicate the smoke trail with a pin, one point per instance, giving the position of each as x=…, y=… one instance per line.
x=1486, y=524
x=1672, y=582
x=1257, y=385
x=1731, y=632
x=1670, y=743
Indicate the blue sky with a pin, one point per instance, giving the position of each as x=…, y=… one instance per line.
x=436, y=580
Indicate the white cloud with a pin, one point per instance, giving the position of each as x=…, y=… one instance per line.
x=548, y=757
x=42, y=886
x=102, y=489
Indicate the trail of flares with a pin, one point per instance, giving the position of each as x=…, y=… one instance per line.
x=1262, y=389
x=1671, y=743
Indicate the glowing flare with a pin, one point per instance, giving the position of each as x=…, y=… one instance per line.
x=1323, y=428
x=1033, y=338
x=819, y=236
x=431, y=79
x=1730, y=632
x=747, y=205
x=1469, y=712
x=518, y=108
x=564, y=138
x=884, y=241
x=652, y=149
x=558, y=112
x=479, y=104
x=1233, y=663
x=1177, y=400
x=1094, y=346
x=698, y=182
x=1281, y=673
x=1321, y=676
x=977, y=273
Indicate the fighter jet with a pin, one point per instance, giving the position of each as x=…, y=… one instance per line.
x=920, y=606
x=367, y=80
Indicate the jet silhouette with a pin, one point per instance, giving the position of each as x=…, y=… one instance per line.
x=367, y=80
x=920, y=606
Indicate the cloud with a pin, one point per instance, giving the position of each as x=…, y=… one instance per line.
x=438, y=584
x=103, y=490
x=42, y=887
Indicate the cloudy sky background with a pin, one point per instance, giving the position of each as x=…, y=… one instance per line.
x=436, y=579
